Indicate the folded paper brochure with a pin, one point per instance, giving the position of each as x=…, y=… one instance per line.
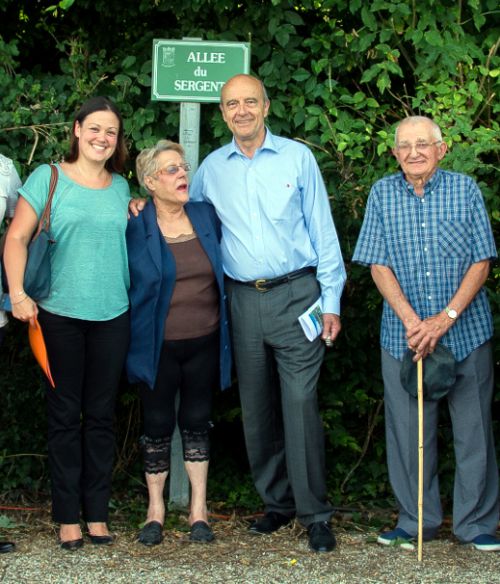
x=311, y=320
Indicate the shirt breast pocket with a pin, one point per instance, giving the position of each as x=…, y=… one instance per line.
x=454, y=239
x=284, y=203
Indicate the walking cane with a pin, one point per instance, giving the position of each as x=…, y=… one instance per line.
x=420, y=395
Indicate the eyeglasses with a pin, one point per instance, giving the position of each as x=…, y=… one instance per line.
x=174, y=169
x=405, y=147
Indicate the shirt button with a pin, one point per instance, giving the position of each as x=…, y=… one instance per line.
x=427, y=273
x=425, y=249
x=423, y=224
x=423, y=200
x=430, y=297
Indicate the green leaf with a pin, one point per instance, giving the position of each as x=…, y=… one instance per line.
x=368, y=18
x=299, y=117
x=282, y=36
x=370, y=73
x=311, y=123
x=128, y=61
x=272, y=27
x=301, y=75
x=381, y=148
x=278, y=109
x=354, y=6
x=293, y=18
x=383, y=82
x=434, y=38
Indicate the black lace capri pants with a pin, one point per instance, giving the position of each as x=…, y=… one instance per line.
x=190, y=367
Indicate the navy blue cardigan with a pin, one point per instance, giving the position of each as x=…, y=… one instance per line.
x=152, y=281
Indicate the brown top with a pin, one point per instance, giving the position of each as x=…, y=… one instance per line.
x=194, y=308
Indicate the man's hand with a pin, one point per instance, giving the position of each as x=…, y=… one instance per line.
x=424, y=337
x=331, y=328
x=135, y=206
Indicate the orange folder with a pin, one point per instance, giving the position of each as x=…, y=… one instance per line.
x=37, y=344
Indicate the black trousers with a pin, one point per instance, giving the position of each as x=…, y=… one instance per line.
x=86, y=360
x=190, y=367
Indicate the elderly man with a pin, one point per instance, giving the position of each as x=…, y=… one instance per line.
x=428, y=240
x=280, y=253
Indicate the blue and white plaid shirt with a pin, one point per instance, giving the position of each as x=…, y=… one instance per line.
x=429, y=243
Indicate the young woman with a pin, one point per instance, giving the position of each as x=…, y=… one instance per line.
x=85, y=318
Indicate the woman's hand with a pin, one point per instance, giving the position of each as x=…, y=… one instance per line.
x=24, y=308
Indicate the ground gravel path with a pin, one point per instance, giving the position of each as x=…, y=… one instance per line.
x=240, y=557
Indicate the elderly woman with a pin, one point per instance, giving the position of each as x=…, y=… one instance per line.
x=85, y=318
x=179, y=332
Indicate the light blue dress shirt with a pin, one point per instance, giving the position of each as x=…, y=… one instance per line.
x=275, y=214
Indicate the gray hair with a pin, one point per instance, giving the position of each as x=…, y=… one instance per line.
x=435, y=129
x=146, y=163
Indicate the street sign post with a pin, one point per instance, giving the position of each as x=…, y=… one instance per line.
x=195, y=70
x=192, y=71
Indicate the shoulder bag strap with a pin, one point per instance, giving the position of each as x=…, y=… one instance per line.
x=44, y=222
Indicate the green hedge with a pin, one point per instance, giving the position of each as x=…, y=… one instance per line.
x=339, y=75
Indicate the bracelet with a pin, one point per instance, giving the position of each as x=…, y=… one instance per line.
x=19, y=293
x=19, y=301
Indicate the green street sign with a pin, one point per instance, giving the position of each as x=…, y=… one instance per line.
x=195, y=70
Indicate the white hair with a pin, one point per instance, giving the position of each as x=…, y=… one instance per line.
x=435, y=129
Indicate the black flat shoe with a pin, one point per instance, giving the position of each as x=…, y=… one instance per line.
x=201, y=532
x=151, y=533
x=321, y=538
x=7, y=546
x=271, y=521
x=101, y=539
x=72, y=544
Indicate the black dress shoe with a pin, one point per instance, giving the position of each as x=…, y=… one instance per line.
x=101, y=539
x=151, y=533
x=271, y=521
x=321, y=538
x=72, y=544
x=7, y=546
x=201, y=532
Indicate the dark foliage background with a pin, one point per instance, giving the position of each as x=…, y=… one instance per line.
x=339, y=74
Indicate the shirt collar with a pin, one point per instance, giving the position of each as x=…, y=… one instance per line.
x=268, y=144
x=429, y=186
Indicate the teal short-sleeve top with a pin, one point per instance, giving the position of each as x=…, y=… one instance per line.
x=90, y=277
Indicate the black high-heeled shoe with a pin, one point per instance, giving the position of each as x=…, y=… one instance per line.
x=101, y=539
x=72, y=544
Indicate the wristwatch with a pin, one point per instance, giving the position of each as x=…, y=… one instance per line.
x=451, y=313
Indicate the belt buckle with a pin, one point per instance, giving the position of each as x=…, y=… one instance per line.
x=259, y=285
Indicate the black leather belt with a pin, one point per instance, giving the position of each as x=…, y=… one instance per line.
x=263, y=284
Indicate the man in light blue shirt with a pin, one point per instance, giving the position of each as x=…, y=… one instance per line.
x=280, y=253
